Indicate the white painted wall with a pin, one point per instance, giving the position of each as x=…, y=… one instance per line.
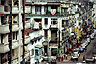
x=33, y=9
x=0, y=38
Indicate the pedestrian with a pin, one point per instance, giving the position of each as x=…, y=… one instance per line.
x=70, y=52
x=66, y=56
x=56, y=56
x=85, y=49
x=83, y=57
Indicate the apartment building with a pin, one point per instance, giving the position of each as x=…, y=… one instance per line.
x=56, y=20
x=13, y=42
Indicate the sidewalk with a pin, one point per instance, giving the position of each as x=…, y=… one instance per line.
x=69, y=56
x=66, y=60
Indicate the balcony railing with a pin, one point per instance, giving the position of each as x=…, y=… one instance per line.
x=45, y=39
x=27, y=39
x=15, y=44
x=28, y=0
x=15, y=27
x=54, y=38
x=65, y=14
x=54, y=26
x=36, y=34
x=27, y=24
x=64, y=5
x=4, y=48
x=4, y=29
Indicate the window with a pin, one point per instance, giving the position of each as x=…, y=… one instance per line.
x=53, y=7
x=32, y=42
x=36, y=52
x=13, y=52
x=64, y=10
x=46, y=20
x=15, y=35
x=46, y=33
x=2, y=38
x=64, y=23
x=53, y=21
x=38, y=9
x=32, y=52
x=45, y=9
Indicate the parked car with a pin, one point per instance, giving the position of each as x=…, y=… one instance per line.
x=92, y=36
x=75, y=57
x=76, y=52
x=88, y=40
x=84, y=44
x=90, y=60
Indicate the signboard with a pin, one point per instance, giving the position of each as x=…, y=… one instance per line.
x=53, y=11
x=78, y=33
x=75, y=29
x=83, y=33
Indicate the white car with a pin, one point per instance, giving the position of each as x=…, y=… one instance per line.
x=76, y=52
x=88, y=40
x=74, y=57
x=84, y=44
x=92, y=36
x=90, y=60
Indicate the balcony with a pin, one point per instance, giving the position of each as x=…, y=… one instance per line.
x=65, y=5
x=15, y=27
x=4, y=48
x=4, y=29
x=15, y=44
x=28, y=0
x=54, y=26
x=54, y=40
x=27, y=24
x=65, y=14
x=36, y=34
x=3, y=11
x=38, y=13
x=15, y=10
x=45, y=39
x=27, y=39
